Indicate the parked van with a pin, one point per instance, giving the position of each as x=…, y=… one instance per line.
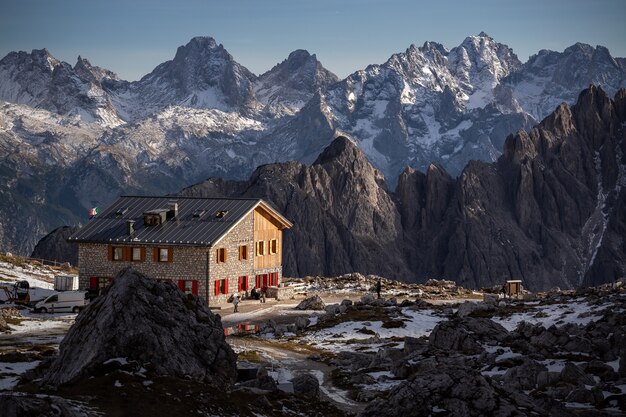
x=73, y=301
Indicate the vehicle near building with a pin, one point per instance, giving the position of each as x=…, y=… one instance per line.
x=64, y=301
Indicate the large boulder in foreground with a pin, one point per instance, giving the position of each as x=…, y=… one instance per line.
x=150, y=322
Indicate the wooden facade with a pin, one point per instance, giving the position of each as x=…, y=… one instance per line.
x=267, y=230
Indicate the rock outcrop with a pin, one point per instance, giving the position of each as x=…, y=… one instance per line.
x=54, y=246
x=311, y=303
x=152, y=323
x=344, y=217
x=550, y=211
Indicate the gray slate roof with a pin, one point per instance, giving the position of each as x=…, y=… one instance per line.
x=185, y=229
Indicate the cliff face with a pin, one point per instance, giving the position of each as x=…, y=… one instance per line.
x=344, y=217
x=550, y=211
x=54, y=246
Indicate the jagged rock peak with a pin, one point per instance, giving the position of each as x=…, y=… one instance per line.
x=40, y=57
x=198, y=46
x=300, y=56
x=340, y=148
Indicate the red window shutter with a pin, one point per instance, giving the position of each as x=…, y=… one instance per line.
x=142, y=254
x=110, y=253
x=93, y=282
x=126, y=253
x=155, y=254
x=226, y=286
x=181, y=285
x=170, y=254
x=239, y=284
x=217, y=287
x=194, y=287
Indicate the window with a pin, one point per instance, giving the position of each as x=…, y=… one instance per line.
x=262, y=280
x=137, y=255
x=243, y=283
x=243, y=252
x=274, y=279
x=99, y=282
x=118, y=253
x=188, y=286
x=221, y=286
x=221, y=255
x=260, y=248
x=162, y=255
x=273, y=246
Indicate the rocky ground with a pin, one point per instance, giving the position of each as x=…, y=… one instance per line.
x=333, y=350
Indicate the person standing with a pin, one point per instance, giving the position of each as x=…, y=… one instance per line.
x=235, y=303
x=379, y=286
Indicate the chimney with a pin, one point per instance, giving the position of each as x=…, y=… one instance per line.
x=130, y=227
x=172, y=209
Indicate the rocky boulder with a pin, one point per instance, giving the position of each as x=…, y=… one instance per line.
x=465, y=334
x=312, y=303
x=449, y=335
x=140, y=319
x=454, y=390
x=524, y=377
x=44, y=406
x=306, y=385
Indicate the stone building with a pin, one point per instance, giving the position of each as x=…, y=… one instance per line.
x=210, y=247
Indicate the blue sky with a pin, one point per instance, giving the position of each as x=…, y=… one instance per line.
x=132, y=37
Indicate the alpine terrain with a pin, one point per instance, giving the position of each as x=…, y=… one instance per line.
x=75, y=137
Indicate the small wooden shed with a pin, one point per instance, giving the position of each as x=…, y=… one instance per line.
x=513, y=288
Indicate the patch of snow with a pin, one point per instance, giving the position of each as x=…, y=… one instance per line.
x=11, y=371
x=555, y=314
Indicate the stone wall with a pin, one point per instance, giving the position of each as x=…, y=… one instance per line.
x=233, y=268
x=188, y=263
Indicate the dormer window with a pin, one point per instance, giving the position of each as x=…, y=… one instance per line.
x=221, y=213
x=198, y=213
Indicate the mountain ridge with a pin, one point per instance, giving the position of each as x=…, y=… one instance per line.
x=413, y=110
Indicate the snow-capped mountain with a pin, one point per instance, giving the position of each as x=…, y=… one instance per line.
x=41, y=81
x=288, y=86
x=76, y=136
x=428, y=104
x=550, y=78
x=201, y=75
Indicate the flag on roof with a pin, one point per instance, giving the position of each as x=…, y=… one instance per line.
x=93, y=211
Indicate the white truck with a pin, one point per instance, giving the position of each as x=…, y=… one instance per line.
x=64, y=301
